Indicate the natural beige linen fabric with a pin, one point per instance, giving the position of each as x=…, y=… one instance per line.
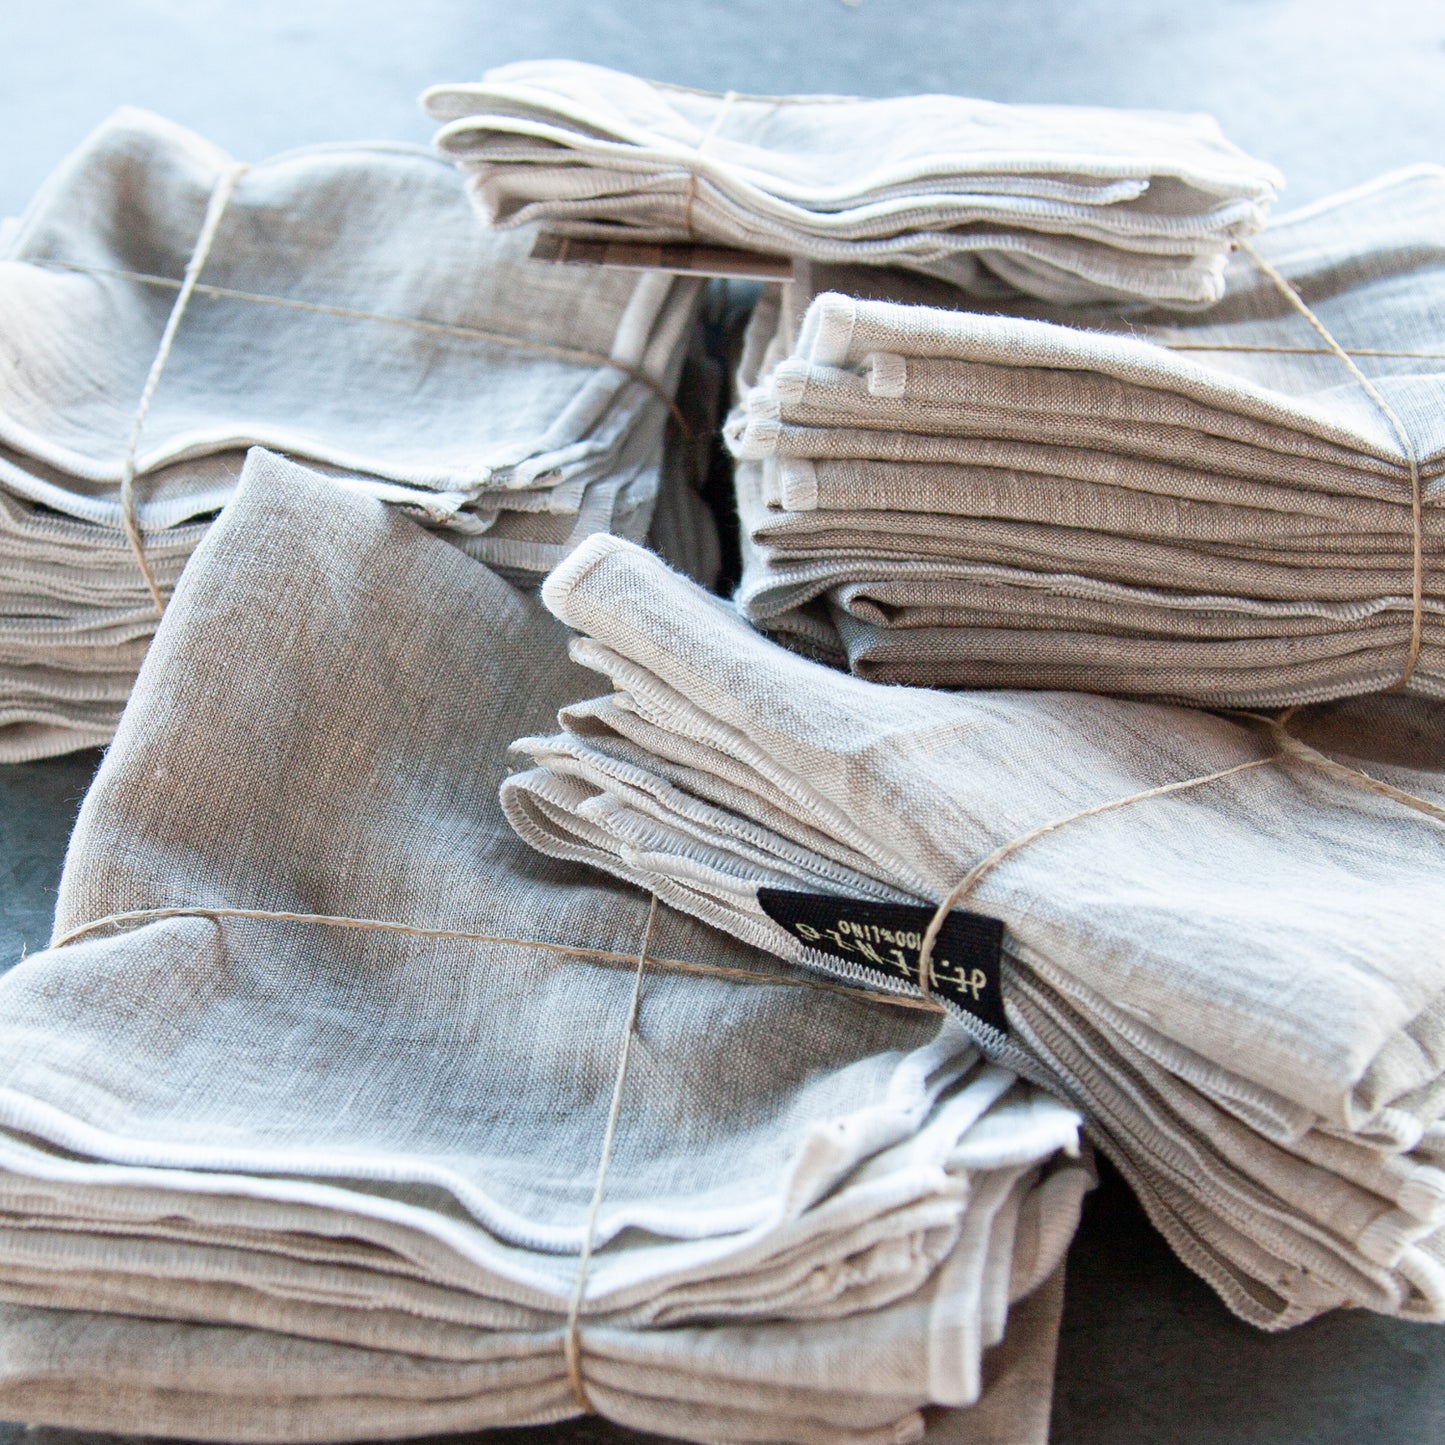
x=277, y=1181
x=376, y=228
x=1069, y=203
x=558, y=446
x=1018, y=1393
x=46, y=1345
x=1240, y=984
x=1100, y=500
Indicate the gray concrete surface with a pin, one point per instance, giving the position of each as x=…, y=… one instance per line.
x=1332, y=91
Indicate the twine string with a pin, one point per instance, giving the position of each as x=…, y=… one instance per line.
x=1228, y=347
x=571, y=1341
x=571, y=1344
x=981, y=869
x=1402, y=436
x=414, y=323
x=122, y=921
x=190, y=286
x=708, y=136
x=1290, y=748
x=1300, y=751
x=215, y=210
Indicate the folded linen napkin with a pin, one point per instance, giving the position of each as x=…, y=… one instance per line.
x=1212, y=509
x=378, y=229
x=1238, y=980
x=1069, y=203
x=271, y=1179
x=349, y=311
x=93, y=1355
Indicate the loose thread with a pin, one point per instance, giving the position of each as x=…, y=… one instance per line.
x=215, y=210
x=571, y=1342
x=1417, y=495
x=707, y=138
x=411, y=930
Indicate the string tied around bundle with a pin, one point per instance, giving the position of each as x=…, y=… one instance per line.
x=1290, y=293
x=130, y=918
x=1407, y=446
x=571, y=1338
x=1288, y=748
x=571, y=1342
x=571, y=1334
x=708, y=136
x=190, y=285
x=220, y=198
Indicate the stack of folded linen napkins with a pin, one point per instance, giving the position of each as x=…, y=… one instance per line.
x=1063, y=202
x=1211, y=509
x=1240, y=982
x=350, y=311
x=275, y=1179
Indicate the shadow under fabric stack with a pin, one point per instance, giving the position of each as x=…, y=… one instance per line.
x=1066, y=202
x=1212, y=508
x=1222, y=945
x=349, y=311
x=269, y=1178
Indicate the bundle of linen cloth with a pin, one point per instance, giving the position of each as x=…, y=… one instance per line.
x=1064, y=202
x=277, y=1179
x=1239, y=981
x=351, y=311
x=1211, y=510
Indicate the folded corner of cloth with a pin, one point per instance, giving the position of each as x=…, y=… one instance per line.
x=557, y=585
x=1069, y=203
x=333, y=1110
x=1219, y=941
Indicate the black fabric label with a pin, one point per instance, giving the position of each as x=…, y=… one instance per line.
x=884, y=939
